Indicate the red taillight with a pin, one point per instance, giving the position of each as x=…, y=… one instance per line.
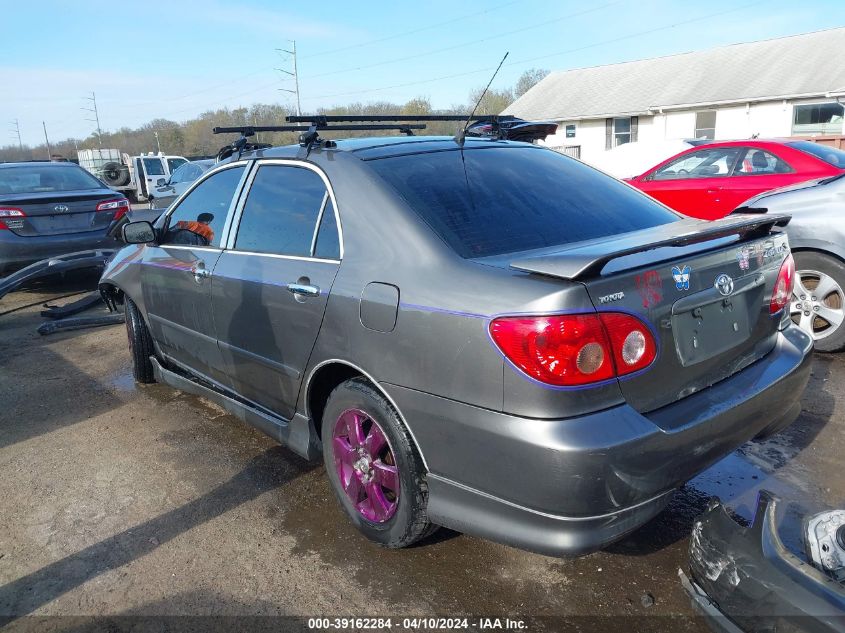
x=783, y=286
x=575, y=349
x=120, y=206
x=9, y=212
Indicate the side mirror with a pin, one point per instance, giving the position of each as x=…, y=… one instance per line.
x=161, y=182
x=141, y=232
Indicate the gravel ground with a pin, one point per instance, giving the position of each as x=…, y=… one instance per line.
x=121, y=500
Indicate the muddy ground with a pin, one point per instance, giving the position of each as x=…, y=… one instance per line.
x=120, y=500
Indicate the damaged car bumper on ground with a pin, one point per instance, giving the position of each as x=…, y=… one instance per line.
x=746, y=579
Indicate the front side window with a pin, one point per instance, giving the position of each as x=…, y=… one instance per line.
x=705, y=124
x=758, y=162
x=153, y=167
x=199, y=218
x=491, y=201
x=282, y=210
x=715, y=162
x=817, y=118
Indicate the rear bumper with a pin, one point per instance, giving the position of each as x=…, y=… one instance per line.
x=17, y=252
x=745, y=579
x=568, y=487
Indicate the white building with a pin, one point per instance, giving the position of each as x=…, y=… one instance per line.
x=790, y=86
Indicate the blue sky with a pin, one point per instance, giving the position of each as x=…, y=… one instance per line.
x=175, y=59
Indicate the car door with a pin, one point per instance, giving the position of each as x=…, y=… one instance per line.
x=693, y=182
x=154, y=170
x=272, y=283
x=176, y=275
x=758, y=170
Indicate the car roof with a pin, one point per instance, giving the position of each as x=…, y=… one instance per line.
x=368, y=148
x=39, y=163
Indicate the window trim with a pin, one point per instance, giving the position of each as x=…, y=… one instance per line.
x=224, y=233
x=244, y=194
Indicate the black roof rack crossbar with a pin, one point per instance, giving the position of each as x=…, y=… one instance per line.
x=322, y=119
x=250, y=130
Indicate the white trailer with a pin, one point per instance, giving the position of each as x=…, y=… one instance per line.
x=135, y=176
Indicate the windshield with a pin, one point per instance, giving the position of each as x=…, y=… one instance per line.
x=828, y=154
x=45, y=178
x=490, y=201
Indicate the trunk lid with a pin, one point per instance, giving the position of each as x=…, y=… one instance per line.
x=55, y=213
x=671, y=283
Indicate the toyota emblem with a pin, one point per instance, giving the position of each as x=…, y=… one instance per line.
x=724, y=284
x=61, y=208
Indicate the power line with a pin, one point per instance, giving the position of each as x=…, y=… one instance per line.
x=411, y=32
x=469, y=43
x=539, y=57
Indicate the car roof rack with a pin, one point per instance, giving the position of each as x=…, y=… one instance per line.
x=499, y=126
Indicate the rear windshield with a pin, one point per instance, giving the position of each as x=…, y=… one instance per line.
x=828, y=154
x=491, y=201
x=45, y=178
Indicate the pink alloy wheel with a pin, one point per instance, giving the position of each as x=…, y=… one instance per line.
x=365, y=465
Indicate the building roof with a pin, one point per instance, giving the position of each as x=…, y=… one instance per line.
x=799, y=65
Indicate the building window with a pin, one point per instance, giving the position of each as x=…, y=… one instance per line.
x=705, y=124
x=620, y=130
x=570, y=131
x=817, y=118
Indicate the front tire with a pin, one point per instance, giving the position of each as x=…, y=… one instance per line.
x=140, y=344
x=374, y=468
x=818, y=300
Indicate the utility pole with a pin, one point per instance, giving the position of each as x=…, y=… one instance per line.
x=17, y=131
x=294, y=74
x=96, y=119
x=49, y=151
x=158, y=144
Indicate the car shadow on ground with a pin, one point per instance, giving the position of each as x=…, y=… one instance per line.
x=268, y=471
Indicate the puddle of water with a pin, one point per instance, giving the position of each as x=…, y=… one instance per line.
x=123, y=382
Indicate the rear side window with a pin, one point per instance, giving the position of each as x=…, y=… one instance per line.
x=499, y=200
x=201, y=215
x=328, y=241
x=282, y=210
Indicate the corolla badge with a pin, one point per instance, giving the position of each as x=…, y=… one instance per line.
x=724, y=284
x=681, y=277
x=61, y=208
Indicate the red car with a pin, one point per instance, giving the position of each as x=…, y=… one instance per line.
x=709, y=181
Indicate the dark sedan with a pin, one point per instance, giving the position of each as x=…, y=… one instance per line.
x=50, y=209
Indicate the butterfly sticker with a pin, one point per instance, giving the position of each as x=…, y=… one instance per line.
x=681, y=277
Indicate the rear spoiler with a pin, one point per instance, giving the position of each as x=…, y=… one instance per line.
x=588, y=260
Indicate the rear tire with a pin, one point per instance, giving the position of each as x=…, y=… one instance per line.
x=140, y=344
x=401, y=518
x=813, y=269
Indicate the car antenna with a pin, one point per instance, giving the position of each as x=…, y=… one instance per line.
x=460, y=136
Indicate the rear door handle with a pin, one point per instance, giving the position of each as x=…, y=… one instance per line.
x=200, y=272
x=304, y=290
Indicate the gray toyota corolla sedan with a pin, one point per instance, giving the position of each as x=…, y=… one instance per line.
x=485, y=335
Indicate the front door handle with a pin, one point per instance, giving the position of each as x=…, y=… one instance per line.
x=200, y=272
x=304, y=290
